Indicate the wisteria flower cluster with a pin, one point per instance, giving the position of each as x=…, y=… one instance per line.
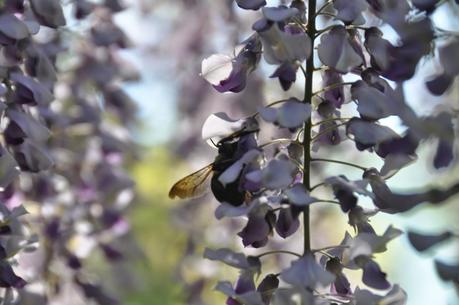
x=64, y=145
x=362, y=72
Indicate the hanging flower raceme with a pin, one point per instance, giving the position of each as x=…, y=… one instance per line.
x=229, y=73
x=272, y=184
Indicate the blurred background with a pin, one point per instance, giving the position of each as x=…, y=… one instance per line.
x=171, y=38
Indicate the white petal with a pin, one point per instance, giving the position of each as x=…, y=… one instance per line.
x=216, y=68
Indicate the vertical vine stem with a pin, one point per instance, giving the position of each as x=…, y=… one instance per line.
x=311, y=29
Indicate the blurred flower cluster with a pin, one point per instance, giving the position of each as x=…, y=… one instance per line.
x=270, y=188
x=65, y=144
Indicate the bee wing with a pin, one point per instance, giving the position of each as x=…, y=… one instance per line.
x=193, y=185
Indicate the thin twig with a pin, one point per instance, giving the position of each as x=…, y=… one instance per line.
x=298, y=164
x=322, y=8
x=333, y=297
x=301, y=24
x=278, y=252
x=300, y=132
x=331, y=87
x=303, y=70
x=308, y=81
x=325, y=253
x=352, y=26
x=327, y=14
x=320, y=68
x=339, y=162
x=327, y=201
x=330, y=120
x=269, y=105
x=327, y=130
x=330, y=248
x=317, y=185
x=277, y=141
x=328, y=28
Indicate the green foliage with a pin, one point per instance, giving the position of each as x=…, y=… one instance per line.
x=161, y=243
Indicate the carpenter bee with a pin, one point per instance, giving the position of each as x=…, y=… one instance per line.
x=230, y=149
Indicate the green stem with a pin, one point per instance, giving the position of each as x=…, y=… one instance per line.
x=327, y=130
x=298, y=136
x=327, y=201
x=448, y=32
x=320, y=10
x=304, y=71
x=330, y=120
x=328, y=28
x=322, y=68
x=332, y=86
x=325, y=253
x=317, y=185
x=330, y=248
x=334, y=298
x=339, y=162
x=269, y=105
x=364, y=28
x=278, y=141
x=278, y=252
x=300, y=24
x=441, y=2
x=312, y=4
x=327, y=14
x=276, y=103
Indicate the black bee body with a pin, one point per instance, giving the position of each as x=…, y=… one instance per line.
x=229, y=152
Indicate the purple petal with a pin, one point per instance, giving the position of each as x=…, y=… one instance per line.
x=329, y=133
x=350, y=11
x=267, y=287
x=286, y=73
x=287, y=223
x=439, y=84
x=258, y=227
x=335, y=95
x=12, y=27
x=279, y=174
x=368, y=133
x=281, y=46
x=299, y=196
x=444, y=154
x=380, y=49
x=335, y=50
x=306, y=272
x=293, y=113
x=29, y=91
x=374, y=104
x=425, y=5
x=235, y=82
x=48, y=12
x=280, y=13
x=448, y=57
x=391, y=202
x=422, y=242
x=447, y=272
x=8, y=278
x=374, y=277
x=227, y=256
x=251, y=4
